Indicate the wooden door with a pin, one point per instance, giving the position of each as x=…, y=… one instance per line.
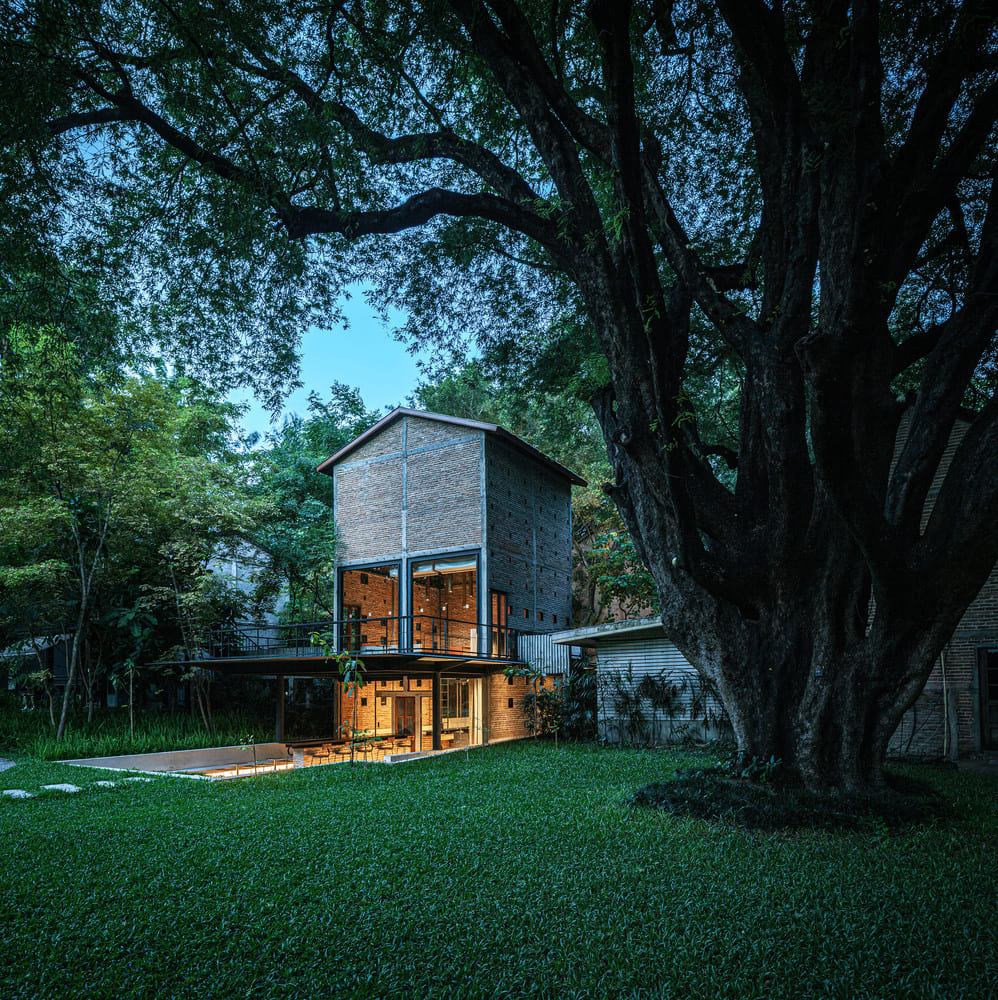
x=405, y=716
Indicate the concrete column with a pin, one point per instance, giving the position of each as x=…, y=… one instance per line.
x=280, y=708
x=437, y=712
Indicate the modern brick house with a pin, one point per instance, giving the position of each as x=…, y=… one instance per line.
x=453, y=563
x=453, y=541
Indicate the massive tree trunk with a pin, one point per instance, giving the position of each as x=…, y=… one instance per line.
x=818, y=637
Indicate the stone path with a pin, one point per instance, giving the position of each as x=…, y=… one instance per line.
x=65, y=787
x=5, y=764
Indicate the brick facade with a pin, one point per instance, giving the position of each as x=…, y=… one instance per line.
x=529, y=525
x=506, y=721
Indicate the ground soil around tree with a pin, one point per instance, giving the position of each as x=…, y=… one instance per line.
x=764, y=803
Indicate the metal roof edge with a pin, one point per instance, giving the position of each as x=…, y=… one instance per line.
x=589, y=635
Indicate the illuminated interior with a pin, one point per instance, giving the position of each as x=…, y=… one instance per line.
x=370, y=607
x=445, y=604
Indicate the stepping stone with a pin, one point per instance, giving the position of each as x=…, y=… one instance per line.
x=5, y=764
x=105, y=784
x=65, y=787
x=17, y=793
x=136, y=779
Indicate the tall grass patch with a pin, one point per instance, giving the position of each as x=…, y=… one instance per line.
x=30, y=733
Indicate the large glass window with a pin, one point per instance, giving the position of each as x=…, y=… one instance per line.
x=445, y=604
x=454, y=699
x=369, y=598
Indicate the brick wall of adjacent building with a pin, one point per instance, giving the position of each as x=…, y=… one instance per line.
x=529, y=525
x=922, y=730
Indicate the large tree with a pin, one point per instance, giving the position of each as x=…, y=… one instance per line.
x=804, y=190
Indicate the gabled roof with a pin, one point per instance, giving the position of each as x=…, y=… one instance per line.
x=495, y=430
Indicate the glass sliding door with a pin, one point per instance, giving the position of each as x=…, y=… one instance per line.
x=445, y=604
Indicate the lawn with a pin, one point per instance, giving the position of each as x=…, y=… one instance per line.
x=517, y=871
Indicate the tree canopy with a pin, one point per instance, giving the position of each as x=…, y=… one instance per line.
x=794, y=203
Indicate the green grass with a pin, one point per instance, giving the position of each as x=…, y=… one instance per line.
x=519, y=872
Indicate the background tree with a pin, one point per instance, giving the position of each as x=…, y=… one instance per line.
x=806, y=191
x=297, y=533
x=102, y=472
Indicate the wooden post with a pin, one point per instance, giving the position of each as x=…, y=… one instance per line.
x=280, y=708
x=437, y=714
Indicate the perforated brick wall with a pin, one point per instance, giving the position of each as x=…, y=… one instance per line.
x=529, y=518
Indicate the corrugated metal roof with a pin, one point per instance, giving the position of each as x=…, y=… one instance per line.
x=494, y=429
x=592, y=635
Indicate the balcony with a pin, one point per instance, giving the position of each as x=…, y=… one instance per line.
x=385, y=642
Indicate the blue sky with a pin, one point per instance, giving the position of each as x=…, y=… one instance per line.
x=363, y=354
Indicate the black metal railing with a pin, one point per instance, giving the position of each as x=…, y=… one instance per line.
x=407, y=634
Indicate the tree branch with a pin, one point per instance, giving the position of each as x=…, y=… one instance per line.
x=593, y=135
x=961, y=343
x=84, y=119
x=401, y=149
x=527, y=95
x=418, y=210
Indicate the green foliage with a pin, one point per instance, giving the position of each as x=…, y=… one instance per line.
x=635, y=709
x=563, y=708
x=519, y=873
x=121, y=489
x=621, y=576
x=350, y=670
x=296, y=528
x=578, y=703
